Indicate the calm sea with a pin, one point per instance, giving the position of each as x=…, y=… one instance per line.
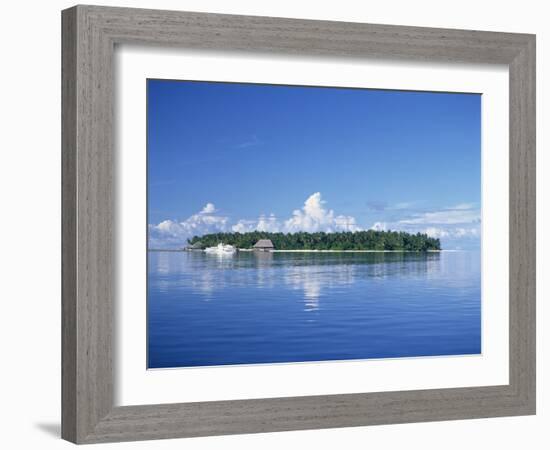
x=253, y=308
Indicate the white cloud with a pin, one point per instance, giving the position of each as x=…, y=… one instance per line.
x=435, y=232
x=452, y=232
x=467, y=232
x=462, y=206
x=379, y=226
x=458, y=222
x=209, y=208
x=314, y=217
x=463, y=213
x=268, y=224
x=173, y=234
x=243, y=226
x=452, y=225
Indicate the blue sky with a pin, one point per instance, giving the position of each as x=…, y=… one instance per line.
x=237, y=157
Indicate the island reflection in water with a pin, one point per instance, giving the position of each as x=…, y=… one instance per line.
x=288, y=307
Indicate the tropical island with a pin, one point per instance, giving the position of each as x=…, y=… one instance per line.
x=338, y=241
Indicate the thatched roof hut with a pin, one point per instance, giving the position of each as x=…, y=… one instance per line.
x=264, y=245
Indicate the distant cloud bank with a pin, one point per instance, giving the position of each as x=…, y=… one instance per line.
x=312, y=217
x=455, y=223
x=455, y=226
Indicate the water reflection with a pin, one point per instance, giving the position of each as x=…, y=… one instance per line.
x=313, y=280
x=283, y=307
x=315, y=274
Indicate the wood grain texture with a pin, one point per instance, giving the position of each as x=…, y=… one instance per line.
x=89, y=36
x=522, y=194
x=68, y=226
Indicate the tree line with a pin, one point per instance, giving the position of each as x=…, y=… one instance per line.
x=347, y=240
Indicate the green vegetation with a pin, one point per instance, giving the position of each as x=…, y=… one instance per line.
x=358, y=240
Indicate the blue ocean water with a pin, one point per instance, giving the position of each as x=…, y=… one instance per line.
x=250, y=308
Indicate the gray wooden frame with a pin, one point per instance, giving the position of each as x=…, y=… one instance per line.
x=89, y=36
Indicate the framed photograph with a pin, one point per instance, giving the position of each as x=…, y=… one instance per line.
x=278, y=224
